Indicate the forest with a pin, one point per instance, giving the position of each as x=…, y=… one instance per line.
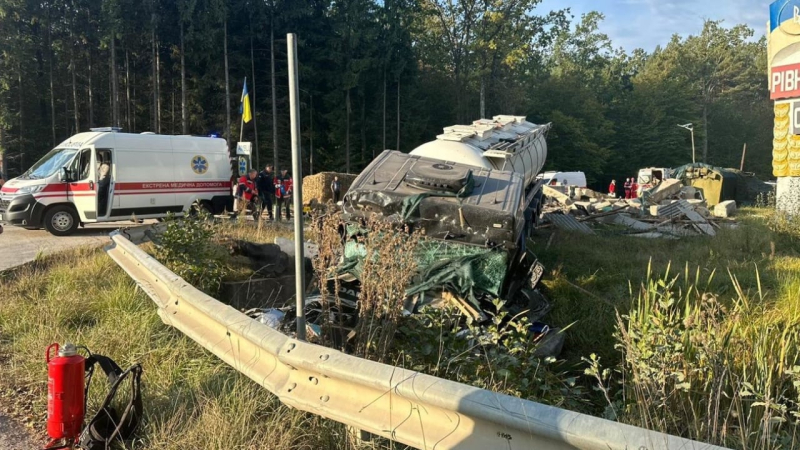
x=379, y=74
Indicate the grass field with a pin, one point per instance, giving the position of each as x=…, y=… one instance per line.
x=707, y=350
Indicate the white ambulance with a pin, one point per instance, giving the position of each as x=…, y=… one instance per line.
x=106, y=175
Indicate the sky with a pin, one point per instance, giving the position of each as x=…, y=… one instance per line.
x=645, y=24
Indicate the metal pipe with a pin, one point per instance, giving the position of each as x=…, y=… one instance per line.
x=297, y=173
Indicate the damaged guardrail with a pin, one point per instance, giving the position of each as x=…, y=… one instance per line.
x=402, y=405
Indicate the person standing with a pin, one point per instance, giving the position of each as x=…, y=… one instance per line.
x=247, y=190
x=283, y=192
x=266, y=189
x=627, y=187
x=634, y=188
x=336, y=189
x=612, y=188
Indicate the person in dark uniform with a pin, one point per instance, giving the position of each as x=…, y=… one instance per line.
x=266, y=189
x=336, y=189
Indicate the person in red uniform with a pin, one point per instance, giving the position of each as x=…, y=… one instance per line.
x=247, y=190
x=634, y=188
x=283, y=192
x=612, y=188
x=627, y=187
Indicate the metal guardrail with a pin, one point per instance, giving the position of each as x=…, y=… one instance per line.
x=423, y=411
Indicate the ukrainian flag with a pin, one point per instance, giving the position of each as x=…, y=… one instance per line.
x=247, y=114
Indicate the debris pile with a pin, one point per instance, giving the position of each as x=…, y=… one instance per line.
x=668, y=210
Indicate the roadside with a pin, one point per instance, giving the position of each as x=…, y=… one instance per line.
x=19, y=246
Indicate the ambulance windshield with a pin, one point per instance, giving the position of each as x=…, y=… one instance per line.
x=50, y=163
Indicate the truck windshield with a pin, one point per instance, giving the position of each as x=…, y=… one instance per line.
x=50, y=163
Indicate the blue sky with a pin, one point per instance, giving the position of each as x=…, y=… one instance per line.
x=648, y=23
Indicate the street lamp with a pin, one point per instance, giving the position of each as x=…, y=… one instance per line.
x=690, y=127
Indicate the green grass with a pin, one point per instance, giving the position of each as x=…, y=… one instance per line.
x=609, y=265
x=192, y=399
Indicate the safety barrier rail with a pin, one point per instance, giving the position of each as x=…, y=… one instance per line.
x=419, y=410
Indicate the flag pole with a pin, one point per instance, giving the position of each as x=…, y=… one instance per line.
x=241, y=128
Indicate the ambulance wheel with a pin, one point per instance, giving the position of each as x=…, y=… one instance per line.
x=61, y=220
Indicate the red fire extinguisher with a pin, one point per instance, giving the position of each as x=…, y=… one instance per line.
x=65, y=395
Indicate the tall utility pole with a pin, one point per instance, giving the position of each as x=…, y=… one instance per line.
x=297, y=173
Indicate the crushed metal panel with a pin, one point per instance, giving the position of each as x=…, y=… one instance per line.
x=668, y=211
x=488, y=216
x=567, y=222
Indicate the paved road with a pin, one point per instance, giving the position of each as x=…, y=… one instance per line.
x=18, y=245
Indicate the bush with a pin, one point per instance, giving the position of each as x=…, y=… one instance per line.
x=187, y=249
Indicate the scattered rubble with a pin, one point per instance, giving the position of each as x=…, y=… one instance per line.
x=669, y=210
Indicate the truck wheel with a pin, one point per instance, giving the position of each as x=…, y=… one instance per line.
x=61, y=220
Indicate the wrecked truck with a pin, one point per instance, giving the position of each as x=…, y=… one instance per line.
x=473, y=194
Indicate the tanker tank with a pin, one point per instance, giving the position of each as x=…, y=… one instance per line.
x=504, y=143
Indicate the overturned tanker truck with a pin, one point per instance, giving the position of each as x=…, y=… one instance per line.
x=473, y=194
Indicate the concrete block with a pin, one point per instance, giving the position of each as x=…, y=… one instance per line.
x=696, y=203
x=725, y=209
x=558, y=196
x=666, y=189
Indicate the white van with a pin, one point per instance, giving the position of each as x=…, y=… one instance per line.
x=563, y=178
x=105, y=176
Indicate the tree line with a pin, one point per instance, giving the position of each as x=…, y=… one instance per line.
x=376, y=75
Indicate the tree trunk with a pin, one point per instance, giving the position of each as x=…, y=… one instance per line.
x=172, y=115
x=483, y=99
x=90, y=94
x=154, y=82
x=253, y=103
x=158, y=86
x=52, y=90
x=184, y=118
x=384, y=116
x=347, y=133
x=114, y=91
x=398, y=115
x=274, y=96
x=363, y=130
x=705, y=134
x=133, y=102
x=4, y=167
x=21, y=121
x=127, y=92
x=74, y=89
x=227, y=87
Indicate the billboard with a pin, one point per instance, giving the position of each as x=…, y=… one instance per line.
x=783, y=53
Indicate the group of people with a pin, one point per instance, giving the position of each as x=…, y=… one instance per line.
x=264, y=187
x=259, y=190
x=630, y=188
